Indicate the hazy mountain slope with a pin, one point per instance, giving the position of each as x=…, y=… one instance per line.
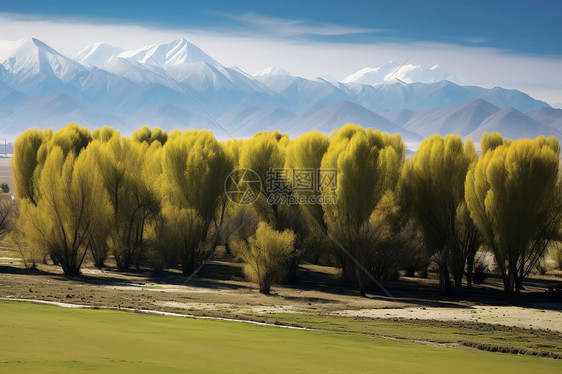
x=557, y=125
x=545, y=116
x=460, y=119
x=513, y=124
x=330, y=117
x=247, y=120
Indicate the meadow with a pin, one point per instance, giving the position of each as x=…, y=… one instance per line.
x=41, y=338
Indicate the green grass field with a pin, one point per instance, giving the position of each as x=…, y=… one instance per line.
x=40, y=338
x=494, y=338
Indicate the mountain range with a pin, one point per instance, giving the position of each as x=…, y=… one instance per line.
x=177, y=85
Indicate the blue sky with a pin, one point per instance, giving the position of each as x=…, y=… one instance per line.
x=513, y=44
x=526, y=27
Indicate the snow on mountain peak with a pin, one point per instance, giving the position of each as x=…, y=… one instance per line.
x=23, y=48
x=405, y=73
x=177, y=52
x=271, y=70
x=97, y=54
x=30, y=60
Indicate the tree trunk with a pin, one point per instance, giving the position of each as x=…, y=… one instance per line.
x=469, y=270
x=122, y=261
x=507, y=290
x=519, y=280
x=265, y=283
x=457, y=266
x=99, y=262
x=189, y=261
x=509, y=279
x=69, y=269
x=54, y=259
x=458, y=274
x=362, y=281
x=362, y=288
x=444, y=279
x=410, y=271
x=292, y=266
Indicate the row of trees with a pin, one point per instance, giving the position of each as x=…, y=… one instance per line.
x=158, y=199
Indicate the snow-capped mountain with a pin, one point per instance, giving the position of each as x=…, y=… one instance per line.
x=180, y=51
x=271, y=70
x=406, y=73
x=177, y=85
x=31, y=66
x=97, y=54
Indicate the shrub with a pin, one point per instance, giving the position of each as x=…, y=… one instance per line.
x=30, y=255
x=264, y=255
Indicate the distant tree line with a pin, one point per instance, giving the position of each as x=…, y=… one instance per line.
x=158, y=199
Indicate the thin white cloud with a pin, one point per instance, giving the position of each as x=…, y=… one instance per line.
x=284, y=28
x=487, y=67
x=475, y=40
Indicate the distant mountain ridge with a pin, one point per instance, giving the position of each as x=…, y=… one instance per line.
x=406, y=73
x=177, y=85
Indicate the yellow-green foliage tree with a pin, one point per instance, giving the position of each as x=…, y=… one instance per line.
x=433, y=189
x=491, y=141
x=148, y=135
x=303, y=160
x=264, y=255
x=177, y=231
x=7, y=212
x=103, y=134
x=72, y=202
x=306, y=153
x=195, y=166
x=467, y=242
x=514, y=197
x=368, y=164
x=381, y=240
x=70, y=139
x=25, y=163
x=15, y=238
x=128, y=179
x=31, y=151
x=263, y=153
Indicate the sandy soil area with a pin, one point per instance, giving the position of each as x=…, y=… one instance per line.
x=503, y=315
